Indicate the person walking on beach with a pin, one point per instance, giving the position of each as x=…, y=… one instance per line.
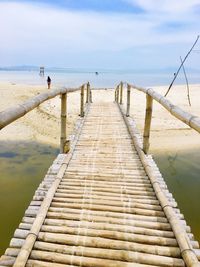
x=49, y=82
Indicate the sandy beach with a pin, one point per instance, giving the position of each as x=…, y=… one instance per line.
x=43, y=123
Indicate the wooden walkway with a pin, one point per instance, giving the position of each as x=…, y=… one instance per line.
x=104, y=211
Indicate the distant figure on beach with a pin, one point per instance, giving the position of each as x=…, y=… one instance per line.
x=49, y=82
x=96, y=73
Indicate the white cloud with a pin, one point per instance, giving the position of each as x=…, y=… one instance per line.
x=42, y=31
x=166, y=6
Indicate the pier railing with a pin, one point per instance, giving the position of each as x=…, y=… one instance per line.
x=12, y=114
x=187, y=118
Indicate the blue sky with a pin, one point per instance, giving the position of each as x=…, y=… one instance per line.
x=111, y=34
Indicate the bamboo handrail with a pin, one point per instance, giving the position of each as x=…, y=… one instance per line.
x=12, y=114
x=187, y=118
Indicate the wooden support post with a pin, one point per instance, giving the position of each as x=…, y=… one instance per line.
x=88, y=93
x=64, y=143
x=117, y=92
x=147, y=126
x=121, y=92
x=128, y=100
x=82, y=102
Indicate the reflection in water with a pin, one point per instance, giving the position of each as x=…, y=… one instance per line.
x=22, y=167
x=182, y=175
x=172, y=161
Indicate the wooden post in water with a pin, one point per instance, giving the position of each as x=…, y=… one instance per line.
x=147, y=126
x=64, y=143
x=128, y=100
x=82, y=102
x=88, y=93
x=121, y=92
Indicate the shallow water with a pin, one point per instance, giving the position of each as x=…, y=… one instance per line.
x=22, y=167
x=104, y=79
x=181, y=171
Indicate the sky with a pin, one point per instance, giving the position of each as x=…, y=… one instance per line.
x=108, y=34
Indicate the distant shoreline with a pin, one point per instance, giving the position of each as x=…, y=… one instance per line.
x=105, y=78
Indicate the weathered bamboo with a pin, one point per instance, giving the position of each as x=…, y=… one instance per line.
x=111, y=227
x=113, y=210
x=108, y=234
x=128, y=100
x=121, y=93
x=64, y=143
x=88, y=93
x=11, y=114
x=103, y=219
x=101, y=242
x=182, y=238
x=127, y=256
x=82, y=101
x=90, y=222
x=117, y=94
x=91, y=261
x=147, y=125
x=42, y=212
x=38, y=263
x=189, y=119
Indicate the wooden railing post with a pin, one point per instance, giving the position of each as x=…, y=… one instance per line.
x=128, y=100
x=147, y=126
x=82, y=101
x=88, y=93
x=64, y=143
x=121, y=93
x=117, y=92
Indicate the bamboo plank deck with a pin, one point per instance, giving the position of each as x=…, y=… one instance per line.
x=104, y=211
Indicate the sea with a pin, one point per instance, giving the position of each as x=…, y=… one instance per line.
x=97, y=79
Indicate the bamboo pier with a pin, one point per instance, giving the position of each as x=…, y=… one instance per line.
x=103, y=202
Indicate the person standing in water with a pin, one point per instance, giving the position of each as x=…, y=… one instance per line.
x=49, y=82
